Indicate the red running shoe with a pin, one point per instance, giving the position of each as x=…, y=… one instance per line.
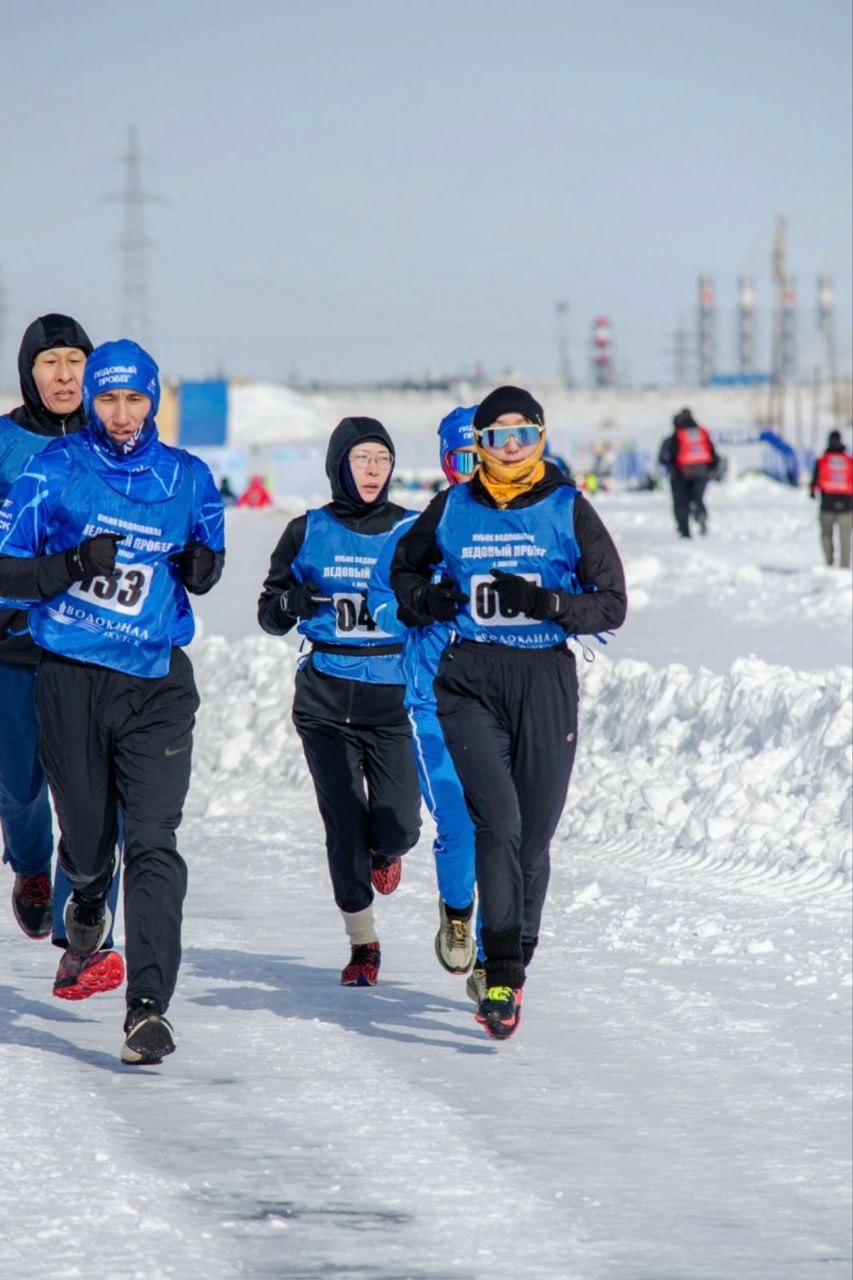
x=81, y=976
x=32, y=903
x=363, y=967
x=385, y=874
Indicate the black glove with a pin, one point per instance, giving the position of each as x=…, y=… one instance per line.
x=303, y=600
x=517, y=595
x=94, y=557
x=198, y=566
x=439, y=601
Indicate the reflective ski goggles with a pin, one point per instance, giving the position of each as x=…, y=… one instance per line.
x=497, y=437
x=462, y=461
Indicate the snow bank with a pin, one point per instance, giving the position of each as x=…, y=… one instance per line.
x=747, y=771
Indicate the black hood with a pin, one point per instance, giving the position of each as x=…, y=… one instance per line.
x=350, y=432
x=44, y=334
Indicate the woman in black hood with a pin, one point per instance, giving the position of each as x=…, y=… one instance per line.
x=348, y=708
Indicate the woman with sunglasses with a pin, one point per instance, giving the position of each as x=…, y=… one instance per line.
x=528, y=564
x=348, y=706
x=453, y=847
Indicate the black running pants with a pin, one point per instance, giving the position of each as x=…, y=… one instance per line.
x=110, y=739
x=509, y=717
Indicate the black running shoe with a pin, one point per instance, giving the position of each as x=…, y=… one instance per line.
x=87, y=923
x=32, y=903
x=148, y=1036
x=499, y=1013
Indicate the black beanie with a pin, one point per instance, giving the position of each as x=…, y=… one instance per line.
x=835, y=441
x=508, y=400
x=683, y=419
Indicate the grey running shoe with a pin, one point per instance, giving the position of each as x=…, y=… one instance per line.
x=475, y=987
x=87, y=923
x=148, y=1036
x=454, y=942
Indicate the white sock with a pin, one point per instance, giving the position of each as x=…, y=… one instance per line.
x=360, y=926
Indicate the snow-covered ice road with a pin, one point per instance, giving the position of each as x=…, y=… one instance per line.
x=675, y=1105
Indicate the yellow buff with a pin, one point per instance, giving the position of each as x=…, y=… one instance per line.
x=506, y=480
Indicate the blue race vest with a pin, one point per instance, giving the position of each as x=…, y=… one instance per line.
x=16, y=445
x=537, y=542
x=340, y=561
x=129, y=624
x=423, y=646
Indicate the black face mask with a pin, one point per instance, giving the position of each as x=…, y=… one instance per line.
x=44, y=334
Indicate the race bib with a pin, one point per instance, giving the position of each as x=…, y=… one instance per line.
x=486, y=607
x=352, y=618
x=124, y=594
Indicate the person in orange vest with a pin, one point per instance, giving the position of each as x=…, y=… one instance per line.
x=256, y=494
x=690, y=458
x=833, y=479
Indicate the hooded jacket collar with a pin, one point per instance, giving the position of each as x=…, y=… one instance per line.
x=44, y=334
x=348, y=433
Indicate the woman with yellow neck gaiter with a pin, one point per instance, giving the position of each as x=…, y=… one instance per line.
x=510, y=452
x=526, y=563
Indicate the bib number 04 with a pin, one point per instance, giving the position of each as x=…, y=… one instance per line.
x=352, y=617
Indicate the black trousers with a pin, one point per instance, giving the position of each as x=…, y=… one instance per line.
x=509, y=717
x=687, y=499
x=110, y=739
x=365, y=778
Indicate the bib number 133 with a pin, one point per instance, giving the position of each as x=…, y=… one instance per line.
x=124, y=594
x=486, y=606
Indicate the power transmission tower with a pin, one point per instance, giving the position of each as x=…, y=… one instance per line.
x=133, y=307
x=563, y=344
x=680, y=355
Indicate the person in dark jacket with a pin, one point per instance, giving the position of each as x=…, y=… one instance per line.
x=101, y=537
x=51, y=360
x=348, y=706
x=832, y=478
x=527, y=564
x=690, y=458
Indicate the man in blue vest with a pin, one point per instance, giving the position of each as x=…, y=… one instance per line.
x=101, y=537
x=51, y=360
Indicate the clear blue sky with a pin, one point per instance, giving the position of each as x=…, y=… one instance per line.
x=359, y=188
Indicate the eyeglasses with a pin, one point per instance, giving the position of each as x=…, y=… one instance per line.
x=462, y=461
x=497, y=437
x=361, y=461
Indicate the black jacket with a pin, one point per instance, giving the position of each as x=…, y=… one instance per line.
x=603, y=609
x=322, y=697
x=834, y=502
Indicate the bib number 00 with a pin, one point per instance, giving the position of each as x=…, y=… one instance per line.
x=486, y=607
x=352, y=617
x=124, y=594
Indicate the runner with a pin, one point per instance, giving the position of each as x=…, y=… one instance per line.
x=102, y=536
x=528, y=564
x=348, y=707
x=51, y=360
x=453, y=847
